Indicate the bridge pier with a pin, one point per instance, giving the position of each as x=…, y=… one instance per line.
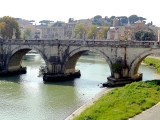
x=120, y=75
x=113, y=82
x=21, y=70
x=52, y=77
x=61, y=56
x=57, y=73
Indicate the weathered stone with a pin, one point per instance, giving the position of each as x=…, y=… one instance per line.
x=61, y=56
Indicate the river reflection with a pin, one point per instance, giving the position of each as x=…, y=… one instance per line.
x=28, y=97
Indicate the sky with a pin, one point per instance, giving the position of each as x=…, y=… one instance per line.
x=62, y=10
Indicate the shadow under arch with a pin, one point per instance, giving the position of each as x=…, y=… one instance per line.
x=137, y=62
x=74, y=55
x=15, y=57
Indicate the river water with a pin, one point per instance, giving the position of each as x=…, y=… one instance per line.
x=27, y=97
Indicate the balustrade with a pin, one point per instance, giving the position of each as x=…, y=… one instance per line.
x=76, y=42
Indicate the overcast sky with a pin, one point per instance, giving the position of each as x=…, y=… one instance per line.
x=62, y=10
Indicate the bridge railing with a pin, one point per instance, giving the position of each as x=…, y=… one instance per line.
x=75, y=42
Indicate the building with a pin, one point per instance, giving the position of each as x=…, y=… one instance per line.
x=65, y=31
x=115, y=22
x=127, y=32
x=84, y=22
x=23, y=24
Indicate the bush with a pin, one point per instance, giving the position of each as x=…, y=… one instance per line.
x=117, y=67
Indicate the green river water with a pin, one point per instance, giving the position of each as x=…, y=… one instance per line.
x=27, y=97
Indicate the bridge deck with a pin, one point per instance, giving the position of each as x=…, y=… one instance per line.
x=91, y=43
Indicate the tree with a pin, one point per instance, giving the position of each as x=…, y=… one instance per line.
x=27, y=33
x=97, y=17
x=111, y=19
x=98, y=23
x=45, y=22
x=57, y=24
x=70, y=20
x=79, y=30
x=144, y=35
x=102, y=33
x=134, y=18
x=7, y=26
x=97, y=20
x=122, y=20
x=2, y=28
x=92, y=32
x=31, y=21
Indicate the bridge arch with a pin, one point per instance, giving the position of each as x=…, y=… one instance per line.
x=137, y=62
x=15, y=56
x=74, y=55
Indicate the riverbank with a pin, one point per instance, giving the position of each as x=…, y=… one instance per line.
x=124, y=102
x=156, y=75
x=104, y=92
x=88, y=104
x=154, y=65
x=153, y=62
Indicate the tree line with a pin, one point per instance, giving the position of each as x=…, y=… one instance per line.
x=144, y=35
x=94, y=31
x=91, y=32
x=108, y=21
x=9, y=26
x=122, y=20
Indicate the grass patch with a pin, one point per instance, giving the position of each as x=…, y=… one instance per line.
x=153, y=62
x=125, y=102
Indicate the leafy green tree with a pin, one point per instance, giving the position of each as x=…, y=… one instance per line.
x=27, y=33
x=45, y=22
x=31, y=21
x=97, y=20
x=106, y=18
x=57, y=24
x=79, y=30
x=70, y=20
x=98, y=23
x=92, y=32
x=102, y=33
x=2, y=28
x=122, y=20
x=134, y=18
x=125, y=37
x=97, y=17
x=111, y=18
x=144, y=35
x=7, y=26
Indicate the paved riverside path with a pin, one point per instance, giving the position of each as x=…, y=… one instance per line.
x=152, y=113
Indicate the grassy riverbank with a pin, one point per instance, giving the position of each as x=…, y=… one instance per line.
x=153, y=62
x=125, y=102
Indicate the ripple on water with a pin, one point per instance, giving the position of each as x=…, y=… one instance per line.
x=28, y=97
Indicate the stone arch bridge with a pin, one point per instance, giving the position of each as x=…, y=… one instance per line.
x=61, y=56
